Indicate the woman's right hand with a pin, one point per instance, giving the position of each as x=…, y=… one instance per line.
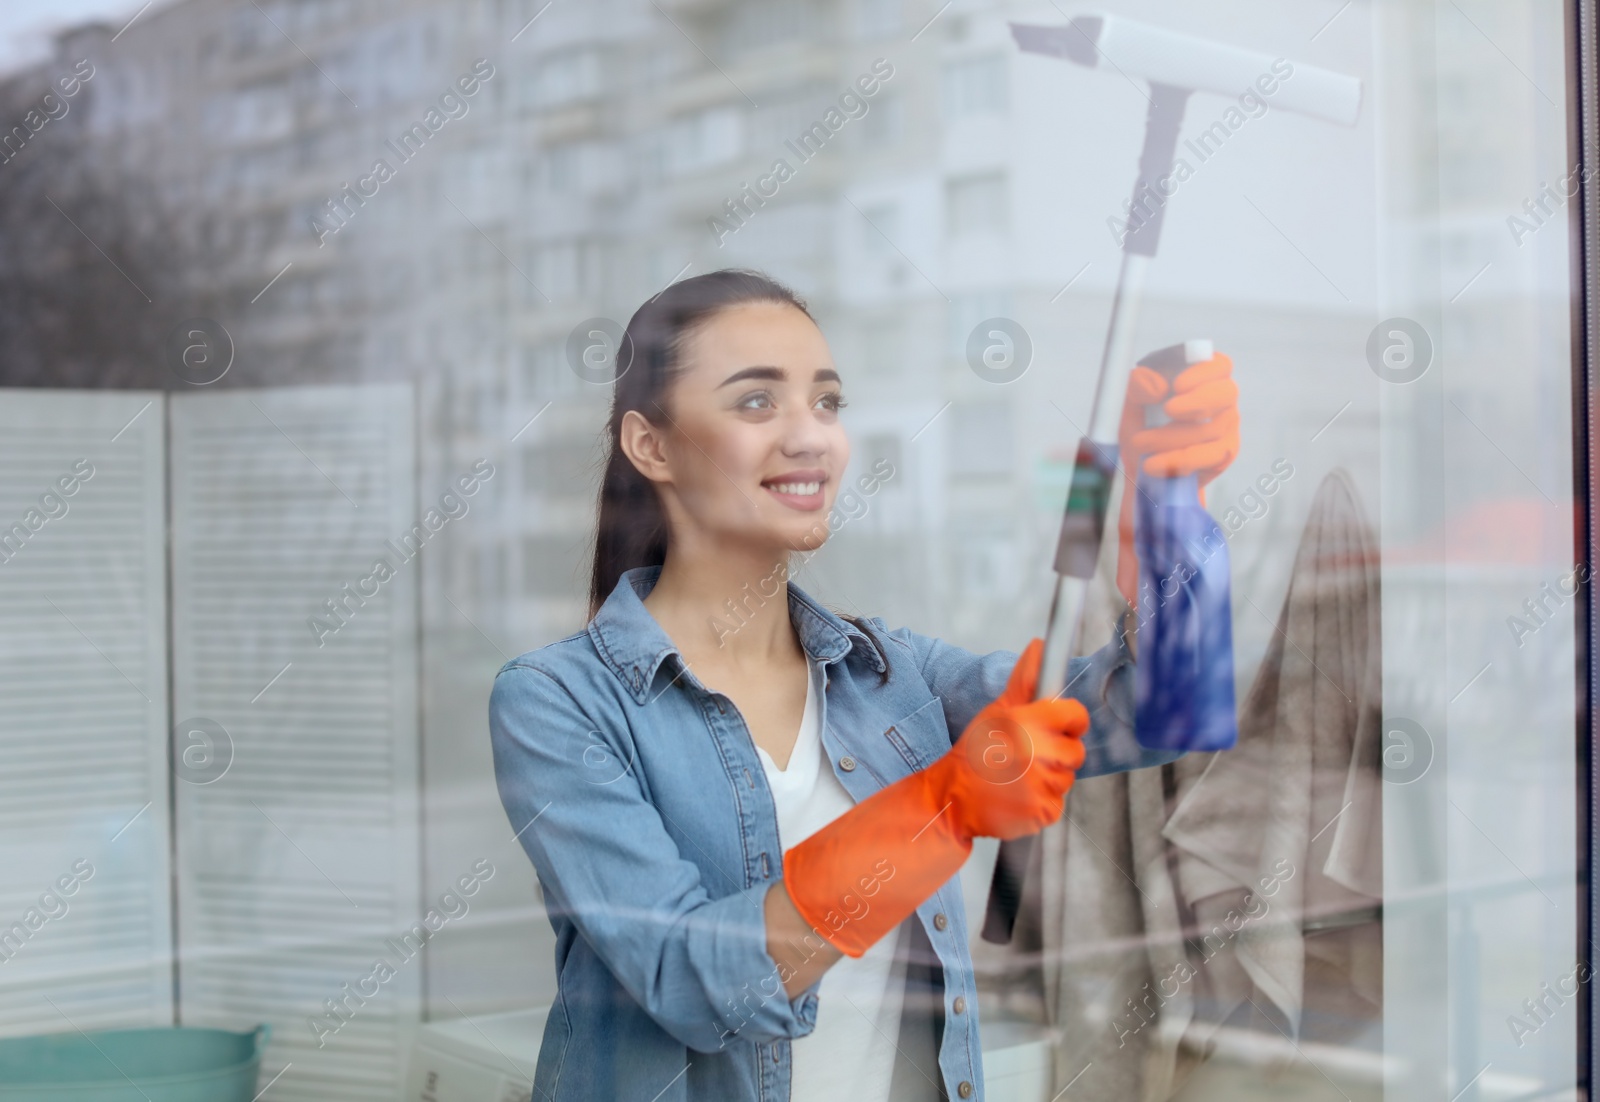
x=1008, y=774
x=862, y=874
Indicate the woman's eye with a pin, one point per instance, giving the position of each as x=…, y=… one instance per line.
x=761, y=399
x=833, y=401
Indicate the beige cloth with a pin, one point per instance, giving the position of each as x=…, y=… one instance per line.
x=1235, y=850
x=1302, y=790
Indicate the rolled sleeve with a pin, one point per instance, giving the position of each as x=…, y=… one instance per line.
x=1101, y=681
x=698, y=966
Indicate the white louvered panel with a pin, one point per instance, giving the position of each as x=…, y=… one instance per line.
x=83, y=714
x=297, y=866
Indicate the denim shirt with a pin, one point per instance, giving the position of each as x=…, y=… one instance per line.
x=640, y=799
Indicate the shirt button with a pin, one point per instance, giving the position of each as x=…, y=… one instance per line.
x=960, y=1005
x=965, y=1089
x=848, y=764
x=940, y=921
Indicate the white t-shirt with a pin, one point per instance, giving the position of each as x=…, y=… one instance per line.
x=851, y=1052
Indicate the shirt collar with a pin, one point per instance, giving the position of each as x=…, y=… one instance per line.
x=633, y=644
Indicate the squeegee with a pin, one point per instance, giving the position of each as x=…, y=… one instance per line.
x=1176, y=66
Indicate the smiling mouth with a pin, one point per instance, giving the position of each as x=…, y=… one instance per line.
x=797, y=489
x=804, y=494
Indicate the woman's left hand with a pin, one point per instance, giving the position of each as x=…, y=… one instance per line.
x=1201, y=439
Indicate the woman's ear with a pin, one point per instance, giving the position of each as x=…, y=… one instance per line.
x=644, y=446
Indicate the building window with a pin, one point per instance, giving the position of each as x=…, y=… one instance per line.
x=884, y=122
x=556, y=79
x=883, y=351
x=880, y=225
x=879, y=18
x=770, y=23
x=986, y=566
x=783, y=115
x=564, y=270
x=546, y=375
x=880, y=447
x=559, y=468
x=982, y=435
x=975, y=85
x=563, y=168
x=977, y=204
x=966, y=311
x=703, y=138
x=553, y=565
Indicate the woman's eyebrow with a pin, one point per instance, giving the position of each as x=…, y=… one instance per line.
x=758, y=372
x=776, y=374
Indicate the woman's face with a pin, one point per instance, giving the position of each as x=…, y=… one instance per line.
x=752, y=449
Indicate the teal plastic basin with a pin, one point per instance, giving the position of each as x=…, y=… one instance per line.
x=175, y=1064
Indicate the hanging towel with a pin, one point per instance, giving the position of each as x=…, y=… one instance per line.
x=1167, y=898
x=1296, y=809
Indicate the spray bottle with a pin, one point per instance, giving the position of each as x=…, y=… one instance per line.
x=1184, y=682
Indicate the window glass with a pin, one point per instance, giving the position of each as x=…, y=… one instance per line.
x=331, y=297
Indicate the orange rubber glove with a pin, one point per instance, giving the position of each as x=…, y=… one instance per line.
x=1007, y=775
x=1202, y=438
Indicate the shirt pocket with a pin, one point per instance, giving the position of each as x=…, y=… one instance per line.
x=922, y=735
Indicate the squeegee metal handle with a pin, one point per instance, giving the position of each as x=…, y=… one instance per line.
x=1084, y=517
x=1077, y=551
x=1089, y=494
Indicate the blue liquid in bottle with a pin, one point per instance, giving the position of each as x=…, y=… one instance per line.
x=1183, y=692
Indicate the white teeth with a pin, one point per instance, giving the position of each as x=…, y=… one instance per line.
x=799, y=489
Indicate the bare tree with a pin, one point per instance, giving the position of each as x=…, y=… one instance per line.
x=96, y=268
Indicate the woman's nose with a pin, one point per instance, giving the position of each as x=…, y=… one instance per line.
x=803, y=434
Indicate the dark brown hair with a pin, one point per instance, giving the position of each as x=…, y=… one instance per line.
x=631, y=529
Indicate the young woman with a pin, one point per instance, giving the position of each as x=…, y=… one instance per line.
x=747, y=812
